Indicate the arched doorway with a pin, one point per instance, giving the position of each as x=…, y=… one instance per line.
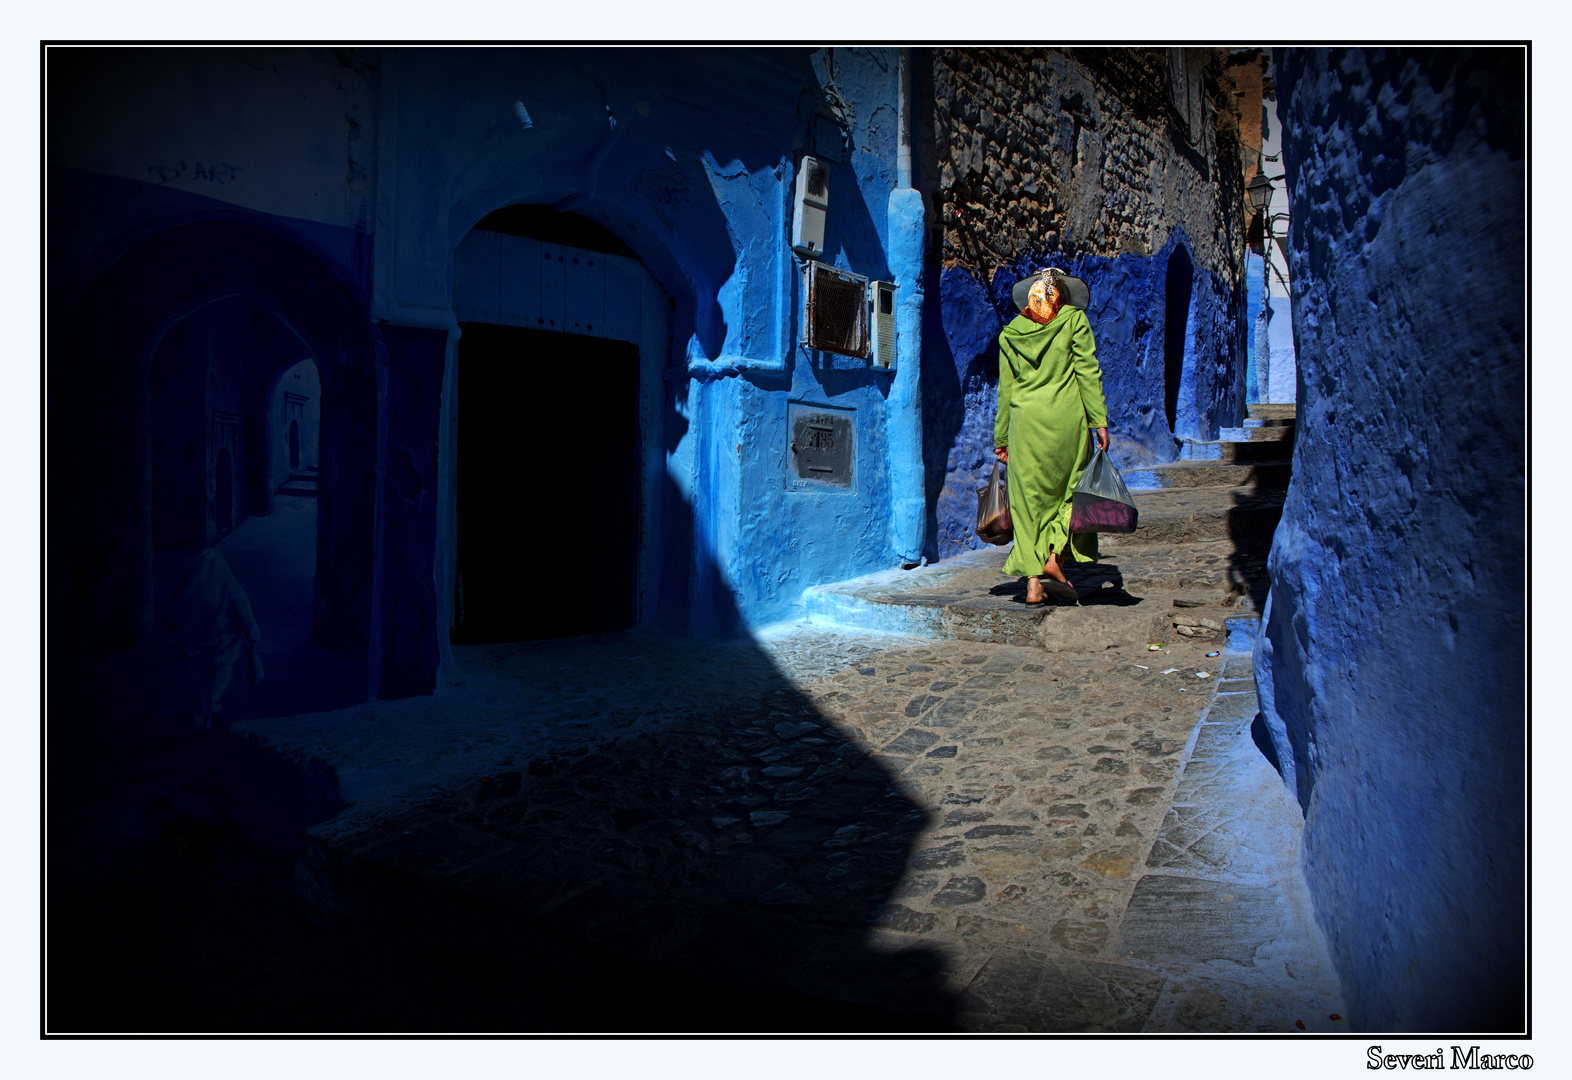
x=294, y=418
x=1179, y=279
x=563, y=338
x=207, y=380
x=169, y=328
x=221, y=380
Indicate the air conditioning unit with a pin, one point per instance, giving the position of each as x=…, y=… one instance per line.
x=809, y=207
x=835, y=316
x=881, y=320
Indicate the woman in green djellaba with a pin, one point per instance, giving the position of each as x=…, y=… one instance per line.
x=1050, y=394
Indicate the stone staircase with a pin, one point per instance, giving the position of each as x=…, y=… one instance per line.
x=1225, y=497
x=301, y=482
x=1194, y=572
x=1267, y=435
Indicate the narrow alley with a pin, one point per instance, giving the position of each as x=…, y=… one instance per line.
x=513, y=560
x=1037, y=820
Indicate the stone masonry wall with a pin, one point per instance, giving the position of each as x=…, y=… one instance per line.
x=1391, y=667
x=1039, y=157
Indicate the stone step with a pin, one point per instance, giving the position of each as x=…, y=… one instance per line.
x=1270, y=421
x=1273, y=410
x=1265, y=450
x=966, y=598
x=1185, y=474
x=1228, y=629
x=1278, y=433
x=297, y=486
x=1228, y=573
x=1185, y=514
x=1125, y=600
x=1241, y=629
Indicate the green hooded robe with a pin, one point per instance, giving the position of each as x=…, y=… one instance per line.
x=1050, y=394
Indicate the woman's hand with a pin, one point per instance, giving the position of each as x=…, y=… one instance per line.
x=1102, y=438
x=1002, y=453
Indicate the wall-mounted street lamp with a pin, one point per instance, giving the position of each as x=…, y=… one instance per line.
x=1260, y=191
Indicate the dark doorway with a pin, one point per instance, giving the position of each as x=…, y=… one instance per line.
x=1176, y=329
x=294, y=444
x=548, y=484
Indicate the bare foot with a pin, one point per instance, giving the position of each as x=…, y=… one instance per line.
x=1035, y=593
x=1051, y=569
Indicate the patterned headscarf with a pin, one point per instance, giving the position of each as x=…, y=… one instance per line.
x=1042, y=303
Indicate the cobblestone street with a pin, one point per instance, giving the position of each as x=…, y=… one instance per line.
x=990, y=837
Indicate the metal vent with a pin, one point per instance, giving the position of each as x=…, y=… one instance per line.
x=836, y=319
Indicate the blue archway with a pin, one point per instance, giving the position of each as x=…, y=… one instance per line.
x=99, y=521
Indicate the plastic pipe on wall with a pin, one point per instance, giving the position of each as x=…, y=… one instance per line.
x=908, y=512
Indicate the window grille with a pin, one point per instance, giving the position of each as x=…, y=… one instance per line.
x=836, y=319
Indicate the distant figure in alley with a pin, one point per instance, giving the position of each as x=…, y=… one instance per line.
x=210, y=621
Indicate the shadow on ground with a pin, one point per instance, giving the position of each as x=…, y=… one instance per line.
x=648, y=834
x=734, y=840
x=722, y=864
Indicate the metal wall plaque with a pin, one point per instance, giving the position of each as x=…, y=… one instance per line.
x=823, y=448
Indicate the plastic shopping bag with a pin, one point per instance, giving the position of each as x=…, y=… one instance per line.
x=993, y=510
x=1101, y=502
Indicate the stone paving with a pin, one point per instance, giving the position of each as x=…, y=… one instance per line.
x=997, y=818
x=983, y=837
x=1141, y=592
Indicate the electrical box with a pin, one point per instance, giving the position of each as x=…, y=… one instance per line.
x=881, y=323
x=809, y=207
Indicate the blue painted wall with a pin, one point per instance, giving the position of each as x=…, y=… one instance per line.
x=373, y=165
x=1127, y=315
x=689, y=156
x=768, y=540
x=1391, y=665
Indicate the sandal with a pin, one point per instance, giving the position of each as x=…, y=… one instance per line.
x=1062, y=589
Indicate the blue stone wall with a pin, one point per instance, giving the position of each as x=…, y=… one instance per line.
x=1255, y=292
x=1391, y=667
x=1037, y=158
